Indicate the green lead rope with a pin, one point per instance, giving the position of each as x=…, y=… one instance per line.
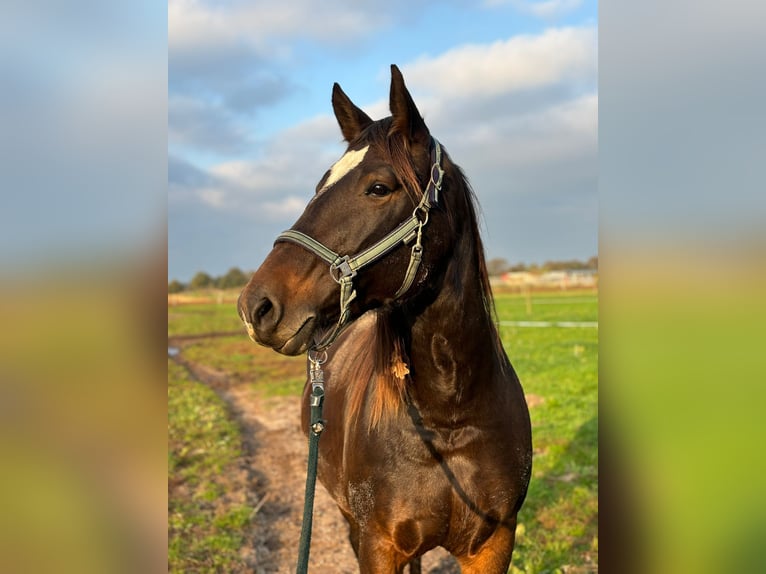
x=315, y=431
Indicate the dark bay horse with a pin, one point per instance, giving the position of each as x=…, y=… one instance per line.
x=427, y=439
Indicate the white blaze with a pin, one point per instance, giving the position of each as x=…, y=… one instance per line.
x=340, y=168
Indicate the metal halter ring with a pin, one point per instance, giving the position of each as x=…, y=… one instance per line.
x=316, y=358
x=422, y=209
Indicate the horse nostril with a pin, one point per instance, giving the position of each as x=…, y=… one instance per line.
x=263, y=308
x=261, y=313
x=266, y=315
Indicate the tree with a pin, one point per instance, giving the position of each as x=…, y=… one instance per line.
x=234, y=278
x=200, y=280
x=497, y=266
x=175, y=286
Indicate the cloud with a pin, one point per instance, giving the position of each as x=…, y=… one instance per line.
x=526, y=62
x=513, y=109
x=215, y=197
x=519, y=115
x=510, y=107
x=195, y=23
x=184, y=175
x=288, y=208
x=231, y=63
x=293, y=159
x=218, y=84
x=275, y=185
x=234, y=74
x=196, y=123
x=189, y=184
x=567, y=129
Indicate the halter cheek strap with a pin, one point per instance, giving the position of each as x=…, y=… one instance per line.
x=344, y=268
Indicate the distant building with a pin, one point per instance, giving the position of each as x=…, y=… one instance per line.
x=518, y=278
x=581, y=278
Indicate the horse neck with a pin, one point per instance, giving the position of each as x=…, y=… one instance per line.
x=453, y=347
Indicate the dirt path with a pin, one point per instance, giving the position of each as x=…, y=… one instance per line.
x=275, y=459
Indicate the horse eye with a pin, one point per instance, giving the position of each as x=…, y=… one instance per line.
x=378, y=190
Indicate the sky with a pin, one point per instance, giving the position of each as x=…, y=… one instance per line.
x=510, y=87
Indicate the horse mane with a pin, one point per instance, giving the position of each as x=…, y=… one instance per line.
x=381, y=364
x=473, y=250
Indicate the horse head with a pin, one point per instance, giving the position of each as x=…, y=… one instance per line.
x=387, y=182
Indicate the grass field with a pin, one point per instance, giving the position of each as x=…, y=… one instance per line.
x=558, y=367
x=206, y=528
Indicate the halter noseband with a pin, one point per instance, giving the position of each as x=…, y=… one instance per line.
x=344, y=268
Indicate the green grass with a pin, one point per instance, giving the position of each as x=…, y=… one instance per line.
x=208, y=513
x=202, y=318
x=558, y=367
x=555, y=306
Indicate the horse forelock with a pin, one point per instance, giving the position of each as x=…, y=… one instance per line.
x=395, y=148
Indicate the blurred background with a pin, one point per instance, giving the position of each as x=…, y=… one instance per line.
x=682, y=245
x=83, y=137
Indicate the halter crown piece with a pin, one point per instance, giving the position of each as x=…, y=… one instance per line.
x=344, y=268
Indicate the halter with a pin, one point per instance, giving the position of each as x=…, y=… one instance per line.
x=344, y=268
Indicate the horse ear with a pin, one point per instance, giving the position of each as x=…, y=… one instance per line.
x=406, y=117
x=351, y=119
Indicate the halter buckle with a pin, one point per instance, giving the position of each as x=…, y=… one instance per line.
x=437, y=174
x=343, y=267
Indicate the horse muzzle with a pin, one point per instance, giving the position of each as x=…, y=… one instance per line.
x=267, y=323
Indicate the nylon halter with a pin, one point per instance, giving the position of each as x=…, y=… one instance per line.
x=343, y=268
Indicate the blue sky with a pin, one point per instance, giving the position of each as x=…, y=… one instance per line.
x=509, y=87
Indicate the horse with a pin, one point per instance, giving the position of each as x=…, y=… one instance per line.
x=427, y=438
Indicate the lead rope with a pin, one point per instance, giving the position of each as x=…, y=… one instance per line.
x=316, y=426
